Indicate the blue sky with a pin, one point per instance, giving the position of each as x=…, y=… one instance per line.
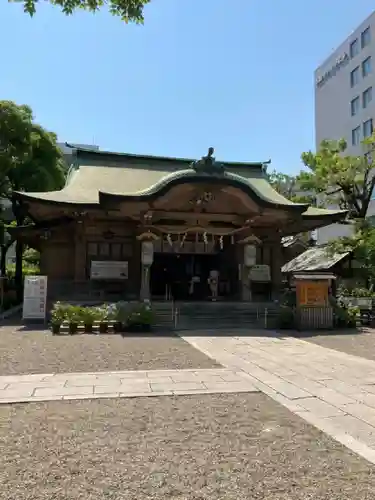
x=234, y=74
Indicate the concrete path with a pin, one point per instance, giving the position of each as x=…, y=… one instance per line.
x=332, y=390
x=50, y=387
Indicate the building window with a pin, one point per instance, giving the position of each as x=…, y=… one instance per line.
x=365, y=38
x=354, y=48
x=367, y=128
x=366, y=67
x=367, y=97
x=356, y=136
x=354, y=76
x=354, y=106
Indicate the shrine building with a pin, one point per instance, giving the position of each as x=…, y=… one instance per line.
x=129, y=226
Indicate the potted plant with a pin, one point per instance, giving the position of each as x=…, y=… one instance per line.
x=121, y=316
x=140, y=318
x=59, y=314
x=102, y=317
x=88, y=318
x=74, y=316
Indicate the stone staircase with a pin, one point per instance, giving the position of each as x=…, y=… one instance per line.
x=214, y=315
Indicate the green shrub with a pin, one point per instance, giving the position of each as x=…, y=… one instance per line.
x=140, y=314
x=286, y=318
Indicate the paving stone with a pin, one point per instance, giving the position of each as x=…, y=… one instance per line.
x=17, y=392
x=177, y=386
x=135, y=386
x=103, y=389
x=139, y=388
x=81, y=382
x=320, y=408
x=333, y=397
x=160, y=380
x=145, y=394
x=361, y=411
x=64, y=391
x=355, y=427
x=288, y=390
x=185, y=377
x=232, y=386
x=342, y=387
x=8, y=379
x=232, y=377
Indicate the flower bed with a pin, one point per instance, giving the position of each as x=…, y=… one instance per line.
x=121, y=317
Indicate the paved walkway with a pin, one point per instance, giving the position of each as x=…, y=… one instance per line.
x=332, y=390
x=50, y=387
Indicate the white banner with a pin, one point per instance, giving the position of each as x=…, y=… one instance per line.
x=250, y=255
x=109, y=270
x=34, y=297
x=147, y=256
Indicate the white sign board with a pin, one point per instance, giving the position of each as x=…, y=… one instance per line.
x=34, y=297
x=261, y=272
x=109, y=270
x=250, y=255
x=147, y=253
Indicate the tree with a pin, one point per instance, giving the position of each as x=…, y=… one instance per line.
x=127, y=10
x=361, y=245
x=288, y=186
x=340, y=180
x=30, y=160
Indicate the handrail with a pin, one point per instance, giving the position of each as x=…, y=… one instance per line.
x=176, y=314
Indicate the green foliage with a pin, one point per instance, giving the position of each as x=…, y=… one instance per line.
x=31, y=257
x=127, y=10
x=27, y=270
x=341, y=180
x=356, y=292
x=123, y=312
x=288, y=187
x=362, y=247
x=141, y=314
x=286, y=317
x=31, y=159
x=60, y=312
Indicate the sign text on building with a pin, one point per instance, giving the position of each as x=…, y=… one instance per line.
x=339, y=63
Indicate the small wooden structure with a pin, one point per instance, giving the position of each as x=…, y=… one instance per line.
x=314, y=310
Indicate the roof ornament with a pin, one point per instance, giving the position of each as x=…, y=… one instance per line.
x=207, y=164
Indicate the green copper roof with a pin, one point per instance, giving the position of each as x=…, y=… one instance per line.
x=101, y=176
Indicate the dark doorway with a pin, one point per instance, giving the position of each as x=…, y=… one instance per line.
x=182, y=276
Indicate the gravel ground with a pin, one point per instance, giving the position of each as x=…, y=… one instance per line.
x=232, y=447
x=358, y=343
x=33, y=351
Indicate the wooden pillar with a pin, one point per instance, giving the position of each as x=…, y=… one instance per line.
x=243, y=271
x=79, y=252
x=276, y=265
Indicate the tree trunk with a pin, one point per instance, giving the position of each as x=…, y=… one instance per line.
x=3, y=260
x=18, y=271
x=20, y=219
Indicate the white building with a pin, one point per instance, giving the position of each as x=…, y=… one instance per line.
x=345, y=100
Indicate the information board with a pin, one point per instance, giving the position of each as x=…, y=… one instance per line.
x=34, y=297
x=109, y=270
x=260, y=273
x=312, y=293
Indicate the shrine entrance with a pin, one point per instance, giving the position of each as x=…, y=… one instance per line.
x=182, y=276
x=183, y=272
